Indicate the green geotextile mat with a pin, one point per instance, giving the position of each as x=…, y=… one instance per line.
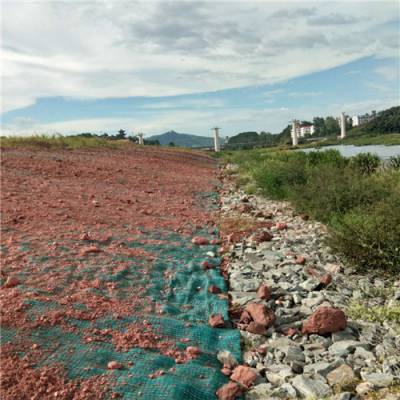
x=172, y=280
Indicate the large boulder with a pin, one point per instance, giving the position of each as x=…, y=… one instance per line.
x=244, y=375
x=325, y=320
x=261, y=314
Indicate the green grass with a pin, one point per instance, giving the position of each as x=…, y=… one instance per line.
x=61, y=142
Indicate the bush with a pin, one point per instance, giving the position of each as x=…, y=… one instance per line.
x=279, y=173
x=394, y=163
x=369, y=237
x=331, y=190
x=365, y=163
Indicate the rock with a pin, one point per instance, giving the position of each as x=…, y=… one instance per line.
x=364, y=388
x=294, y=353
x=256, y=328
x=323, y=367
x=300, y=260
x=216, y=321
x=345, y=347
x=280, y=226
x=342, y=335
x=246, y=376
x=192, y=351
x=261, y=314
x=226, y=358
x=200, y=241
x=226, y=371
x=89, y=250
x=326, y=280
x=114, y=365
x=214, y=289
x=278, y=374
x=341, y=376
x=378, y=379
x=308, y=387
x=229, y=391
x=11, y=282
x=264, y=292
x=310, y=284
x=259, y=392
x=263, y=236
x=325, y=320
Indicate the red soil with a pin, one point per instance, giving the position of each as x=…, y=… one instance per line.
x=78, y=209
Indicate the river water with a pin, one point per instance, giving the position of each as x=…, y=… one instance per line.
x=348, y=150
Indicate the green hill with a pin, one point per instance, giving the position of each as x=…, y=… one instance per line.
x=182, y=139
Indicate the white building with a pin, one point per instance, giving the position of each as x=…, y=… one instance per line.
x=303, y=130
x=358, y=120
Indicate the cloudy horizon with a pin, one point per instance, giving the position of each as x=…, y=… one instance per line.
x=187, y=65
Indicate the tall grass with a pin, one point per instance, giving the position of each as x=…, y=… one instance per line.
x=60, y=142
x=359, y=199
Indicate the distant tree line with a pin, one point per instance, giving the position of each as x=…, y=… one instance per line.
x=119, y=136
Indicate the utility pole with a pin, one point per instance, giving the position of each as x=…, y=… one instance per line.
x=342, y=125
x=216, y=139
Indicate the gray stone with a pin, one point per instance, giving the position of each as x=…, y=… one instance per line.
x=310, y=284
x=225, y=357
x=341, y=376
x=363, y=388
x=308, y=387
x=323, y=367
x=378, y=379
x=278, y=374
x=345, y=347
x=259, y=392
x=364, y=354
x=294, y=353
x=342, y=335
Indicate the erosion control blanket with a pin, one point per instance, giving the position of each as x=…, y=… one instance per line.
x=103, y=293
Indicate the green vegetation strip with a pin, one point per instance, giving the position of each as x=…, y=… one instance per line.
x=358, y=198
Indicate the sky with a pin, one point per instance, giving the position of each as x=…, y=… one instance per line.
x=155, y=66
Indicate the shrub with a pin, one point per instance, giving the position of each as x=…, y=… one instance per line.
x=332, y=190
x=365, y=163
x=394, y=163
x=369, y=237
x=279, y=173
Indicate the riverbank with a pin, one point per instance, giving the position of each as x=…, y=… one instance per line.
x=311, y=326
x=357, y=140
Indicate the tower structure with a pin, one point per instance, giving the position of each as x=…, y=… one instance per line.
x=140, y=136
x=342, y=125
x=295, y=139
x=217, y=146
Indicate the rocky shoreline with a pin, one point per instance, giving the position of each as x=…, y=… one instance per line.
x=290, y=299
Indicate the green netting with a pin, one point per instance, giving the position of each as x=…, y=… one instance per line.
x=174, y=280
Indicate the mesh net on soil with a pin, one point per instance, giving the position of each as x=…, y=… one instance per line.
x=140, y=301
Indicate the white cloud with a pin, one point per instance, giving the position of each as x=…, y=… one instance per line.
x=118, y=49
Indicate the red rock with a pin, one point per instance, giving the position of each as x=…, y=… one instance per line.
x=326, y=280
x=261, y=314
x=301, y=260
x=216, y=321
x=214, y=289
x=215, y=241
x=256, y=328
x=244, y=375
x=11, y=282
x=192, y=351
x=263, y=236
x=325, y=320
x=85, y=236
x=114, y=365
x=229, y=391
x=200, y=241
x=281, y=226
x=89, y=250
x=157, y=374
x=264, y=292
x=245, y=317
x=206, y=265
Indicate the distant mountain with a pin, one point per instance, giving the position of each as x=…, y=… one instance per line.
x=182, y=139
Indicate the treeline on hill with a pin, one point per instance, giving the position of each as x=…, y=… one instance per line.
x=385, y=122
x=119, y=136
x=358, y=197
